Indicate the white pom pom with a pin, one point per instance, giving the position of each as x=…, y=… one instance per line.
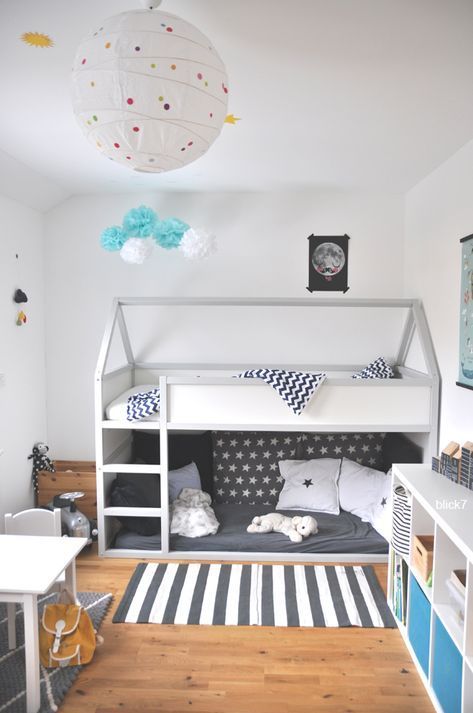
x=136, y=250
x=197, y=244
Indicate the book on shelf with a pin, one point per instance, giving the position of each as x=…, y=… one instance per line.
x=447, y=467
x=466, y=468
x=400, y=582
x=436, y=464
x=456, y=466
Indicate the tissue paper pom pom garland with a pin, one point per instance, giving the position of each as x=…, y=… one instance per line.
x=140, y=222
x=197, y=244
x=113, y=238
x=136, y=251
x=168, y=233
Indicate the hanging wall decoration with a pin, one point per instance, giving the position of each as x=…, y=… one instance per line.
x=149, y=90
x=21, y=318
x=465, y=366
x=141, y=229
x=231, y=119
x=19, y=298
x=19, y=295
x=328, y=263
x=36, y=39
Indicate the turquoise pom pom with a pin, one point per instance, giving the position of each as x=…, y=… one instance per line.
x=168, y=233
x=139, y=222
x=112, y=238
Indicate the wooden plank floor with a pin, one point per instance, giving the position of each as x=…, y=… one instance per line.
x=218, y=669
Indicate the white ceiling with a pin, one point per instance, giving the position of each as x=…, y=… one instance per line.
x=351, y=94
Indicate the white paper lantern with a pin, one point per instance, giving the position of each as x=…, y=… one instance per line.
x=149, y=90
x=136, y=250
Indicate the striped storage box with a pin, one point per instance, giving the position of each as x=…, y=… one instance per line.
x=402, y=514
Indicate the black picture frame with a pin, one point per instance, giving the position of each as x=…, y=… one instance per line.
x=328, y=263
x=465, y=351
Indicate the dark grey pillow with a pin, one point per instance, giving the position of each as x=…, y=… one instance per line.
x=397, y=448
x=137, y=490
x=183, y=449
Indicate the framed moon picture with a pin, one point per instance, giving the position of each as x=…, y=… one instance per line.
x=328, y=263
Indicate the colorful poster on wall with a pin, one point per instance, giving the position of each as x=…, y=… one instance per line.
x=465, y=368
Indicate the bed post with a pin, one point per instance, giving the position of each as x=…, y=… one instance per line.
x=433, y=371
x=163, y=447
x=99, y=414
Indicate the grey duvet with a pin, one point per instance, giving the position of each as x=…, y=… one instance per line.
x=338, y=534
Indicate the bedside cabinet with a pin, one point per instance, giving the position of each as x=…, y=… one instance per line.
x=70, y=475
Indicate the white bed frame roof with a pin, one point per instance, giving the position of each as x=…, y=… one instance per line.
x=415, y=325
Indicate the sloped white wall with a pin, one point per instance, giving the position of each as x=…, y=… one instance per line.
x=439, y=211
x=22, y=353
x=262, y=252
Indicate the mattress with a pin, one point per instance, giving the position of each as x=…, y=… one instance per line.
x=338, y=534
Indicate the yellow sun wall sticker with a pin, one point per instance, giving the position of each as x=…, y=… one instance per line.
x=230, y=119
x=36, y=39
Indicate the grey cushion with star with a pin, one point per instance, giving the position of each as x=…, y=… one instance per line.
x=246, y=465
x=364, y=448
x=246, y=462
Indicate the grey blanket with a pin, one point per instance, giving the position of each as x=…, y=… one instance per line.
x=338, y=534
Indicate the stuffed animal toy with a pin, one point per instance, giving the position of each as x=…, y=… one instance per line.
x=41, y=461
x=191, y=514
x=296, y=528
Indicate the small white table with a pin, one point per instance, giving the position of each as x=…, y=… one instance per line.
x=29, y=566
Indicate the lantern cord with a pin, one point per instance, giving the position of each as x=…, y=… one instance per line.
x=150, y=4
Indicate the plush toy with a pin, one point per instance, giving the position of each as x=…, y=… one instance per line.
x=191, y=514
x=41, y=461
x=296, y=528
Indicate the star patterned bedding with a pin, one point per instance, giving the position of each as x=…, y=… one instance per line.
x=246, y=463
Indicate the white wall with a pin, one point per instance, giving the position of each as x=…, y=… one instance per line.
x=22, y=354
x=262, y=252
x=439, y=211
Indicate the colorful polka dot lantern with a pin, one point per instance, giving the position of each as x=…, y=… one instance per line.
x=149, y=91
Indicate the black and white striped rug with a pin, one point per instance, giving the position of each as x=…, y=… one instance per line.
x=254, y=594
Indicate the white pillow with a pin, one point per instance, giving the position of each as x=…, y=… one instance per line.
x=383, y=518
x=116, y=409
x=185, y=477
x=310, y=485
x=363, y=491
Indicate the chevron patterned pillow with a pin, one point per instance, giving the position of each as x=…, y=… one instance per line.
x=142, y=405
x=378, y=369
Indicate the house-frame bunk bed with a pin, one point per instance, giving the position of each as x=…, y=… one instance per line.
x=197, y=397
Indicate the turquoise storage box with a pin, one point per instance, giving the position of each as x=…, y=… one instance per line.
x=447, y=670
x=419, y=623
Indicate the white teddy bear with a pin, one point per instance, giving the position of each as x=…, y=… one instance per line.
x=296, y=528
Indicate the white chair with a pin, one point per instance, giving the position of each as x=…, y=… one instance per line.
x=35, y=522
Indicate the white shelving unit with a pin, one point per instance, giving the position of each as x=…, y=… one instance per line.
x=438, y=638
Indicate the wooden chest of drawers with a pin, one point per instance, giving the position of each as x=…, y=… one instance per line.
x=70, y=475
